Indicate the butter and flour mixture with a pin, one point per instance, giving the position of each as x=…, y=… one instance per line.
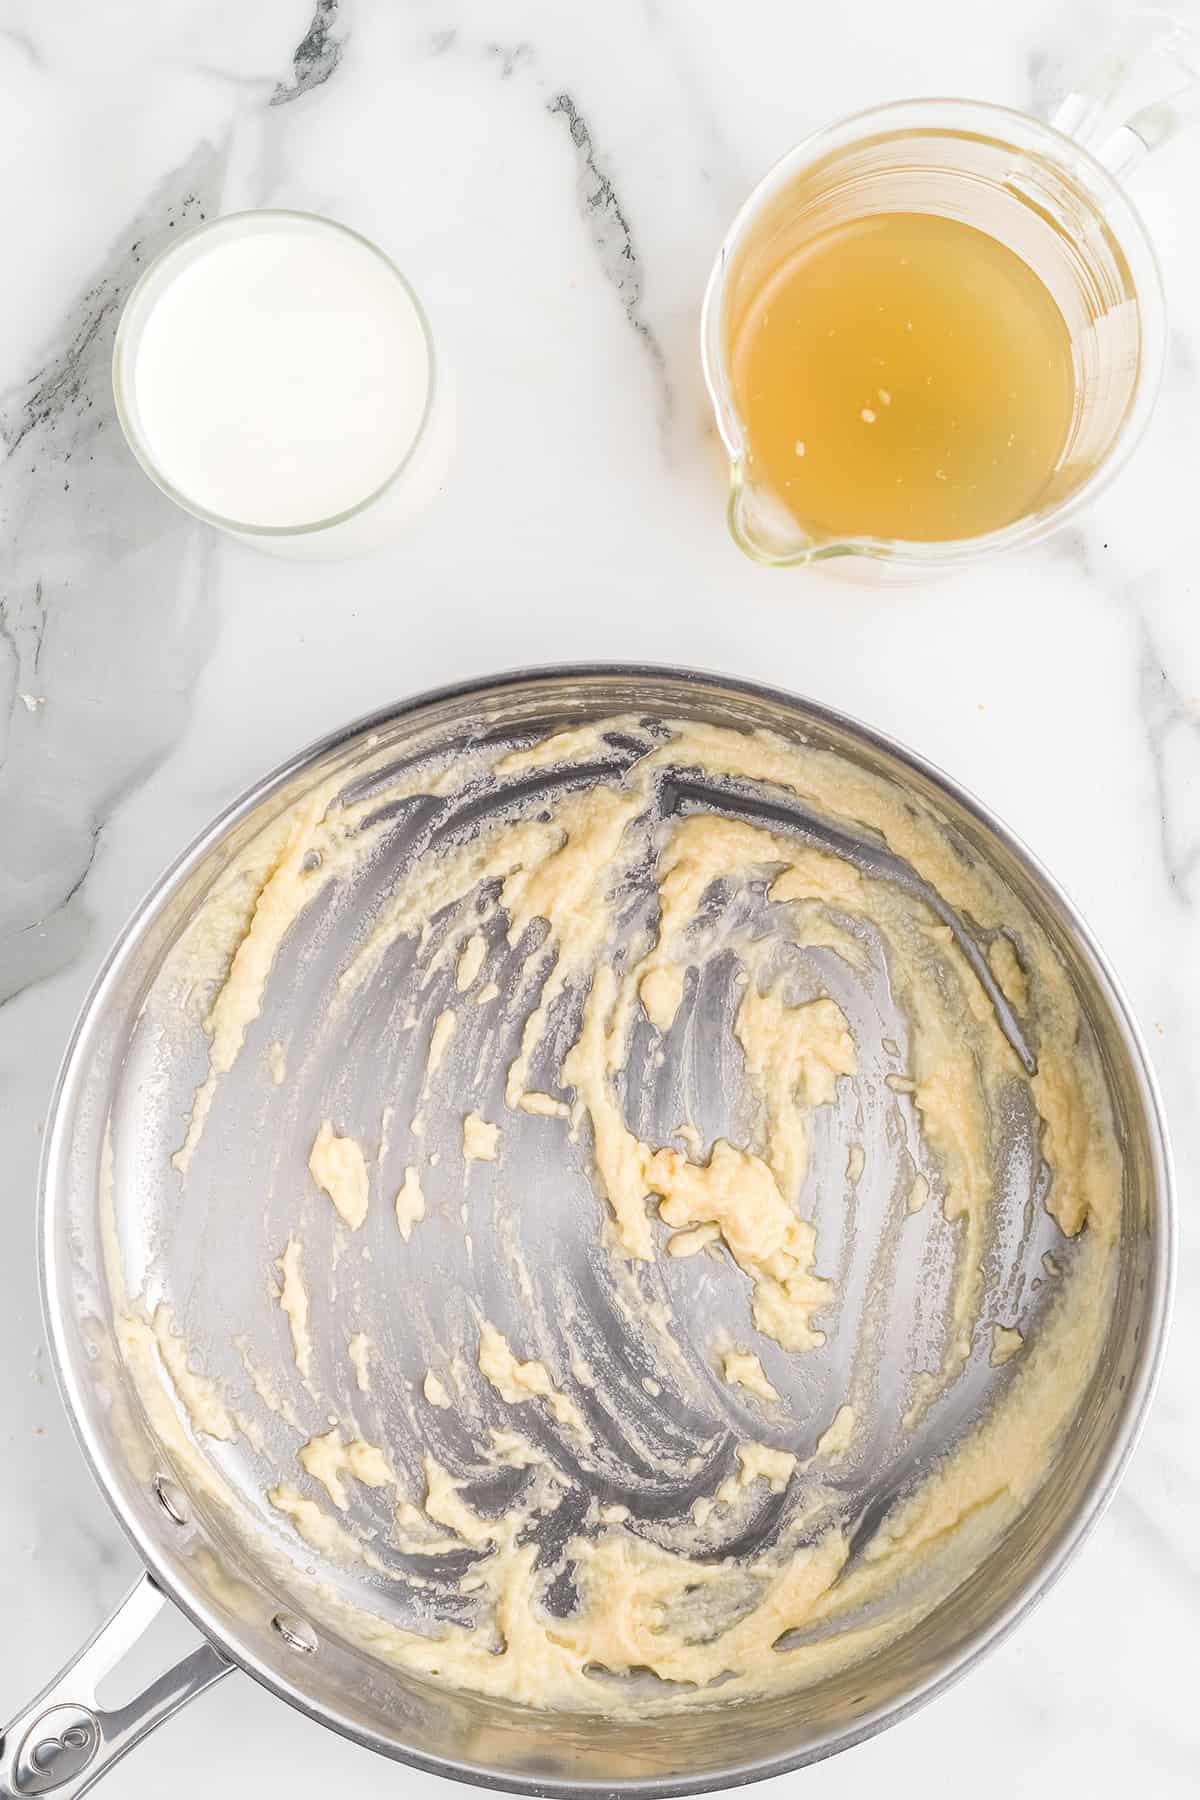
x=660, y=1142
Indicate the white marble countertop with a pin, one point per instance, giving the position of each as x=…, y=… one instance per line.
x=554, y=179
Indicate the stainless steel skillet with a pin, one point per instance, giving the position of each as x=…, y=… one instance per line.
x=128, y=1076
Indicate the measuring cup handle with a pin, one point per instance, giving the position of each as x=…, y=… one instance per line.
x=1154, y=50
x=64, y=1741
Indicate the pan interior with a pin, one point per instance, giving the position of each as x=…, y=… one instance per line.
x=525, y=1242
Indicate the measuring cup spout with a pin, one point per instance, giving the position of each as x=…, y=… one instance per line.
x=768, y=532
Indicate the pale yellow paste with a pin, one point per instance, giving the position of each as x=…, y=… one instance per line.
x=265, y=1387
x=197, y=1393
x=1006, y=967
x=690, y=1243
x=338, y=1165
x=1006, y=1342
x=543, y=1106
x=293, y=1298
x=480, y=1138
x=439, y=1042
x=290, y=880
x=329, y=1459
x=359, y=1351
x=434, y=1390
x=319, y=1531
x=517, y=1381
x=470, y=962
x=757, y=1462
x=838, y=1435
x=641, y=1606
x=410, y=1202
x=745, y=1369
x=918, y=1194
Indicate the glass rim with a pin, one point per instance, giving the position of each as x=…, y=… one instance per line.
x=892, y=117
x=124, y=364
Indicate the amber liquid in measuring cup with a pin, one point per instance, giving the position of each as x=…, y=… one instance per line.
x=902, y=375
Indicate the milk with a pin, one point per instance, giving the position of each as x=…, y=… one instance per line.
x=274, y=374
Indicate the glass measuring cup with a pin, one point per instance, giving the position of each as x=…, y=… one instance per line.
x=1043, y=193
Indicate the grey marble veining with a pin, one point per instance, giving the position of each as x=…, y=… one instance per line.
x=90, y=550
x=1172, y=724
x=317, y=54
x=608, y=226
x=613, y=238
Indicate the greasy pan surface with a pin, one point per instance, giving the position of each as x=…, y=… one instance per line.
x=525, y=1242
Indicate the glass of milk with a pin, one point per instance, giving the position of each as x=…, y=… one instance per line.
x=274, y=374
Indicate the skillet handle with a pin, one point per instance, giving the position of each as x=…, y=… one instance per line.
x=64, y=1741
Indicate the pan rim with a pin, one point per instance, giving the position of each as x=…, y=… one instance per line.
x=1072, y=1533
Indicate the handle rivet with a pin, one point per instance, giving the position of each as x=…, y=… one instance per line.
x=171, y=1499
x=55, y=1751
x=298, y=1634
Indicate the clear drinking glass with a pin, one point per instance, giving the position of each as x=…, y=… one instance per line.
x=386, y=506
x=1042, y=192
